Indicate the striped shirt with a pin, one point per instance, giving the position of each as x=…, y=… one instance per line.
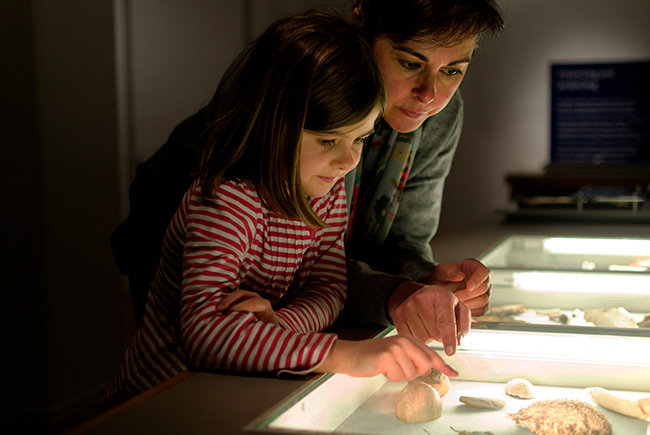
x=217, y=244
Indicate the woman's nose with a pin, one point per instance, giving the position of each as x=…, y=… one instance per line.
x=425, y=91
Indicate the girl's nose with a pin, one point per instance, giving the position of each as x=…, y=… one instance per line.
x=347, y=158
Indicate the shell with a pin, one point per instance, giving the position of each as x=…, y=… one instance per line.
x=437, y=380
x=613, y=317
x=418, y=402
x=562, y=416
x=644, y=405
x=521, y=388
x=639, y=409
x=483, y=402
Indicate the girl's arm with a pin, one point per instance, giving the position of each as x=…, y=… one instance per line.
x=217, y=237
x=319, y=300
x=398, y=358
x=249, y=302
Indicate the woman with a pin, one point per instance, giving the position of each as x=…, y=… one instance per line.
x=423, y=48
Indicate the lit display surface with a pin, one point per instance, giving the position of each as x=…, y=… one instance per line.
x=559, y=275
x=559, y=365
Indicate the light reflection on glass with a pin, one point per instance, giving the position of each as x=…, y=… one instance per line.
x=627, y=247
x=567, y=282
x=557, y=345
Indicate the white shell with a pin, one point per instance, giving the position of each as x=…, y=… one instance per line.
x=521, y=388
x=616, y=317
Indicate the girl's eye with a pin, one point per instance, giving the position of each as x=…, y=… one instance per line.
x=361, y=140
x=409, y=65
x=327, y=143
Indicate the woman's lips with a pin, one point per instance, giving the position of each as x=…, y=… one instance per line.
x=328, y=179
x=411, y=114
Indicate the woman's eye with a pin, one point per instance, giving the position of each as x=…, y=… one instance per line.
x=409, y=65
x=453, y=72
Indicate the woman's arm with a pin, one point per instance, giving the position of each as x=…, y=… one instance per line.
x=407, y=249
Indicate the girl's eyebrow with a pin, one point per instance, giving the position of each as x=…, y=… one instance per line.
x=424, y=58
x=339, y=133
x=372, y=130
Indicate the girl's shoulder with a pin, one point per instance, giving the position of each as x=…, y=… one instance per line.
x=231, y=194
x=331, y=205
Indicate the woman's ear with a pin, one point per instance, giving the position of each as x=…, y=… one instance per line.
x=356, y=16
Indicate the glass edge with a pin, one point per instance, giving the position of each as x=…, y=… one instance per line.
x=268, y=417
x=563, y=329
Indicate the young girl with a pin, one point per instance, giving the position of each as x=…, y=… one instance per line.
x=253, y=264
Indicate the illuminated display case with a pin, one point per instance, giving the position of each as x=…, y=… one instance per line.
x=571, y=280
x=560, y=365
x=548, y=277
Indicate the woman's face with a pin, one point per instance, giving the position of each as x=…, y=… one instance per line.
x=420, y=80
x=325, y=157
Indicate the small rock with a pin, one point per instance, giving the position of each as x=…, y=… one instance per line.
x=483, y=402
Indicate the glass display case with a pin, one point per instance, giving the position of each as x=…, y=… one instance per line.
x=567, y=313
x=577, y=281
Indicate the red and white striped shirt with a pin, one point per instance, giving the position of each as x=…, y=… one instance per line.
x=217, y=244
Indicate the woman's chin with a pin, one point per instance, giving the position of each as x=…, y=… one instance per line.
x=403, y=123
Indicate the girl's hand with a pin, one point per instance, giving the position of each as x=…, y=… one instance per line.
x=248, y=302
x=399, y=358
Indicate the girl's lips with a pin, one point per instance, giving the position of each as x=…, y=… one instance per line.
x=328, y=179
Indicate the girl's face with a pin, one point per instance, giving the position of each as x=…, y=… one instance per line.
x=419, y=80
x=325, y=157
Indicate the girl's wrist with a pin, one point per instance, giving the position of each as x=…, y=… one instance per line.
x=338, y=356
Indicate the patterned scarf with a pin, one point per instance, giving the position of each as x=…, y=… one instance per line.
x=375, y=189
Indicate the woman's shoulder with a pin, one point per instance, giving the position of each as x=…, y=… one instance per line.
x=448, y=117
x=440, y=133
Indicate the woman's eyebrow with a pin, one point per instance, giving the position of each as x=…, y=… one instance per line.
x=459, y=61
x=426, y=59
x=411, y=52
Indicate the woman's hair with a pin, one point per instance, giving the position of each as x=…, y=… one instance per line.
x=443, y=23
x=312, y=71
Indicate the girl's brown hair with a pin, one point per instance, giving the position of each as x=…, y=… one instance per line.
x=311, y=71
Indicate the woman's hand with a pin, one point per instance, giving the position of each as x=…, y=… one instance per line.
x=399, y=358
x=469, y=280
x=429, y=312
x=248, y=302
